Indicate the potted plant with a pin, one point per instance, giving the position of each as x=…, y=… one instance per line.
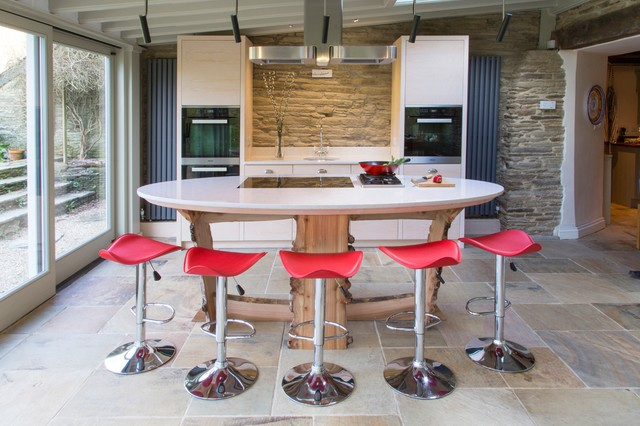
x=16, y=153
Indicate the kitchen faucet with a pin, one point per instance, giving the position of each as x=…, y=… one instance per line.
x=321, y=151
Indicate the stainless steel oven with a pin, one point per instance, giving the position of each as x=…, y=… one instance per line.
x=433, y=134
x=210, y=141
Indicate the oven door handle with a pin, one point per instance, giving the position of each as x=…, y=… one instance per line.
x=435, y=120
x=209, y=169
x=209, y=121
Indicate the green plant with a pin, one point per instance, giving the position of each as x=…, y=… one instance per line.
x=4, y=150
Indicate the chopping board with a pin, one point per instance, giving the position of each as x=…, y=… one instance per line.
x=429, y=183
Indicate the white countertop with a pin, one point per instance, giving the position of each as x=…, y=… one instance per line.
x=222, y=195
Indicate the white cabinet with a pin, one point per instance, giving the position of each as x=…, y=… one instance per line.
x=209, y=70
x=321, y=169
x=267, y=169
x=436, y=69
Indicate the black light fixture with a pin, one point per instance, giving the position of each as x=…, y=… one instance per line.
x=143, y=23
x=234, y=24
x=506, y=17
x=416, y=23
x=325, y=24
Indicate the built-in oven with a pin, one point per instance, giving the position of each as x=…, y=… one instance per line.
x=210, y=142
x=433, y=134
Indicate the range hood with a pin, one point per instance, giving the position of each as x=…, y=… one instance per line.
x=318, y=53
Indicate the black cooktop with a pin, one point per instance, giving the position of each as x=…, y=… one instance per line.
x=387, y=180
x=297, y=182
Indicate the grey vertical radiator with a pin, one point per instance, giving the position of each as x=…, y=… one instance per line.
x=161, y=129
x=482, y=126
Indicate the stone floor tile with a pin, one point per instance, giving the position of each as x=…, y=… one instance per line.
x=564, y=317
x=488, y=407
x=548, y=372
x=601, y=359
x=582, y=288
x=581, y=406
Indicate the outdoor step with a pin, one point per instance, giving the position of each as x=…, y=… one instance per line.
x=9, y=169
x=17, y=199
x=12, y=184
x=12, y=221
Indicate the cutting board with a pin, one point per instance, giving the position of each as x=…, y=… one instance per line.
x=429, y=183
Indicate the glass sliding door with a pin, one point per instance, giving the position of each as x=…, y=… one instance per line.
x=81, y=146
x=25, y=259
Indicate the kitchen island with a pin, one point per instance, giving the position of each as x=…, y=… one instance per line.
x=322, y=213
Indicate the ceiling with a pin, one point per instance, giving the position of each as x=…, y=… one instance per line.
x=118, y=19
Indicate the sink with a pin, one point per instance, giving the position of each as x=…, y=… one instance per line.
x=319, y=158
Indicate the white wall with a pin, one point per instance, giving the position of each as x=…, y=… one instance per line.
x=582, y=168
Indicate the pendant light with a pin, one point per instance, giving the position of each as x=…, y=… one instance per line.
x=506, y=17
x=325, y=24
x=416, y=23
x=143, y=23
x=235, y=26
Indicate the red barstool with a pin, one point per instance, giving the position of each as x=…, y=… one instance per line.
x=222, y=377
x=418, y=377
x=496, y=353
x=319, y=383
x=140, y=355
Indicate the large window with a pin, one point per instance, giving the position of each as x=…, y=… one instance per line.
x=23, y=250
x=80, y=146
x=56, y=158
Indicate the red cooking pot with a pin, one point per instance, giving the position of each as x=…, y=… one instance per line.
x=378, y=168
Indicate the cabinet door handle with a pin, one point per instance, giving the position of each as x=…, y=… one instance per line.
x=268, y=171
x=322, y=171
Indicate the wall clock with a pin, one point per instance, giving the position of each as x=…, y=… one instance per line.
x=595, y=105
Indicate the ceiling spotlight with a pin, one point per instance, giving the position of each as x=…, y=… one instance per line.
x=235, y=26
x=416, y=23
x=143, y=23
x=506, y=17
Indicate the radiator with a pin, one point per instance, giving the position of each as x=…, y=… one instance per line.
x=482, y=126
x=161, y=130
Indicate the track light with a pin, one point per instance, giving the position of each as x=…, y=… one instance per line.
x=235, y=26
x=143, y=23
x=506, y=17
x=416, y=23
x=325, y=24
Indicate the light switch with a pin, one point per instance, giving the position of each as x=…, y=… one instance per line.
x=547, y=104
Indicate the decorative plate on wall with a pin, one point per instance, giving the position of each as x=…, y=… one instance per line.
x=595, y=105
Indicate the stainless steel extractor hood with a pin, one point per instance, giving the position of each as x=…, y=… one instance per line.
x=315, y=51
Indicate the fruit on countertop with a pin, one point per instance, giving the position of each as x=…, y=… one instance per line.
x=437, y=179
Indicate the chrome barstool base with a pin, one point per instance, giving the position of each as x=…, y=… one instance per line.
x=131, y=358
x=331, y=385
x=429, y=380
x=506, y=357
x=207, y=381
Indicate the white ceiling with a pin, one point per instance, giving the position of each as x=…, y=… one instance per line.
x=167, y=19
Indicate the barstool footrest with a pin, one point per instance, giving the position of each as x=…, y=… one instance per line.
x=156, y=320
x=293, y=335
x=208, y=326
x=507, y=305
x=390, y=321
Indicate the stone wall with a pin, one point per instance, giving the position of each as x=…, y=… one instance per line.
x=531, y=149
x=591, y=10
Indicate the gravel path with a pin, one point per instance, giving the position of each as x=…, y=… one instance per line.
x=71, y=230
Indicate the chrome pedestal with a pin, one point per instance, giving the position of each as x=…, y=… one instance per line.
x=223, y=377
x=142, y=354
x=496, y=353
x=328, y=386
x=505, y=356
x=423, y=380
x=417, y=377
x=212, y=381
x=318, y=383
x=133, y=358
